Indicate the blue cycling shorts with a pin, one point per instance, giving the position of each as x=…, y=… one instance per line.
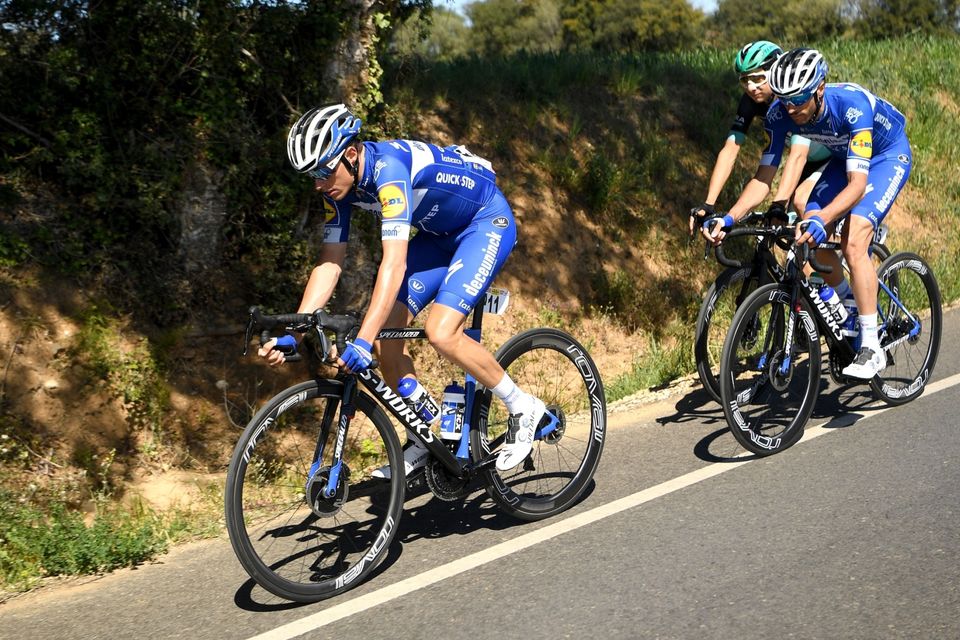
x=456, y=270
x=888, y=173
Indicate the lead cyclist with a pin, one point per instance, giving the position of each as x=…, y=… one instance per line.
x=465, y=230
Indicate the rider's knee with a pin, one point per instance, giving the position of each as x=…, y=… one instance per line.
x=441, y=339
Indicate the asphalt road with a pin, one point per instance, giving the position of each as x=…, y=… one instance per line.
x=852, y=533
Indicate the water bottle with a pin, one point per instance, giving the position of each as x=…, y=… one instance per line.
x=830, y=297
x=418, y=399
x=451, y=411
x=851, y=328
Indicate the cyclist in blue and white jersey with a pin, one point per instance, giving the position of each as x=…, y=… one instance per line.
x=802, y=169
x=465, y=230
x=870, y=164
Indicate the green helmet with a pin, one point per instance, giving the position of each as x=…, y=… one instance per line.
x=756, y=55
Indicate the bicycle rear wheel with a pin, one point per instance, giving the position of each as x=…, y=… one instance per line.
x=769, y=385
x=557, y=369
x=910, y=331
x=290, y=538
x=713, y=322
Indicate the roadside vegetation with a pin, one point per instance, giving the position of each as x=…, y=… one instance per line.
x=601, y=151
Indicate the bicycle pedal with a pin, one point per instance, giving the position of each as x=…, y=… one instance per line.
x=528, y=464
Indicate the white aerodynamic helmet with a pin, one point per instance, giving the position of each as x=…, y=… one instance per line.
x=317, y=141
x=798, y=72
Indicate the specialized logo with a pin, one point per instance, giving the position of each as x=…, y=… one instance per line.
x=392, y=201
x=456, y=266
x=417, y=286
x=818, y=190
x=500, y=222
x=376, y=169
x=485, y=270
x=852, y=115
x=862, y=144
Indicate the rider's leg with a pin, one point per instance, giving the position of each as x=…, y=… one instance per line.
x=395, y=363
x=395, y=360
x=802, y=194
x=445, y=327
x=888, y=174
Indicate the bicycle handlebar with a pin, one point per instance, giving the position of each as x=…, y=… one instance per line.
x=343, y=327
x=783, y=237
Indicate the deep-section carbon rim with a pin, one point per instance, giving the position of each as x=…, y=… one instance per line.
x=557, y=369
x=291, y=539
x=769, y=386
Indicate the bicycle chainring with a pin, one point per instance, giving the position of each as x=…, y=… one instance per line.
x=321, y=505
x=837, y=364
x=442, y=484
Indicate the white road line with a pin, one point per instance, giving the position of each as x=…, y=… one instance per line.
x=414, y=583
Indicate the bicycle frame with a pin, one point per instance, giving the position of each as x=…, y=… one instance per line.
x=458, y=465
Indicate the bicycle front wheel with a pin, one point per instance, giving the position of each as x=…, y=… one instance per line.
x=726, y=293
x=557, y=369
x=770, y=372
x=911, y=322
x=292, y=538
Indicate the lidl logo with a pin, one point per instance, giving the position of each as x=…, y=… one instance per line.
x=862, y=144
x=329, y=211
x=392, y=202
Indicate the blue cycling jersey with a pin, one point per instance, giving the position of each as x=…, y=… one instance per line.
x=855, y=124
x=409, y=183
x=466, y=229
x=864, y=134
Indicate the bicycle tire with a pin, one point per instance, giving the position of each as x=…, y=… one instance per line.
x=910, y=359
x=290, y=539
x=767, y=411
x=556, y=368
x=717, y=308
x=718, y=305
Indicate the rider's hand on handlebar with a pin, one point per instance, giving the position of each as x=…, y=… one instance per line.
x=357, y=356
x=697, y=215
x=272, y=354
x=811, y=231
x=715, y=229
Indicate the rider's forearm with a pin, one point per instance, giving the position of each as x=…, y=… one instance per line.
x=389, y=279
x=324, y=277
x=722, y=170
x=792, y=169
x=753, y=194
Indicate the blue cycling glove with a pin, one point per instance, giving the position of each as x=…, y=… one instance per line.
x=357, y=356
x=726, y=222
x=814, y=225
x=287, y=341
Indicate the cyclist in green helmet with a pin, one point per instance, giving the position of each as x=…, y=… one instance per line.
x=806, y=160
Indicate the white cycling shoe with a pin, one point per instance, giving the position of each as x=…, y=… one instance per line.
x=867, y=364
x=414, y=457
x=521, y=428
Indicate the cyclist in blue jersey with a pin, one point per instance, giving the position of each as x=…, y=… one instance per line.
x=871, y=160
x=802, y=169
x=465, y=230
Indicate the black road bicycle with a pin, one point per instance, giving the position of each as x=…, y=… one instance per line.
x=770, y=367
x=306, y=518
x=732, y=287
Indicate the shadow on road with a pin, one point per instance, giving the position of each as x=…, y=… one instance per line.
x=424, y=517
